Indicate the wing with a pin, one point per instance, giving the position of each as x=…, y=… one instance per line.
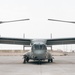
x=15, y=41
x=60, y=41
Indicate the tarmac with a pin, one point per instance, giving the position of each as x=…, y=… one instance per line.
x=13, y=65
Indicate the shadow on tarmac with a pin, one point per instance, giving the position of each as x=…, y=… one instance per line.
x=39, y=62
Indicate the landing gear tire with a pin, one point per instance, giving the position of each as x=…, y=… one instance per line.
x=48, y=60
x=40, y=61
x=27, y=59
x=51, y=60
x=24, y=61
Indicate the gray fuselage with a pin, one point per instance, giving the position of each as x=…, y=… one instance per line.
x=39, y=51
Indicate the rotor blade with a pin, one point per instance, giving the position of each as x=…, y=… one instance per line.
x=61, y=21
x=13, y=21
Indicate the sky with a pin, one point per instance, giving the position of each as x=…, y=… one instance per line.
x=38, y=11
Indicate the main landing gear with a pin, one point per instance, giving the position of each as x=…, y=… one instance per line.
x=50, y=60
x=26, y=59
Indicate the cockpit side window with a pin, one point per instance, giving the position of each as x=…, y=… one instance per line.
x=36, y=47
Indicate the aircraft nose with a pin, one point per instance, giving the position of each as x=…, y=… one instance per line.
x=39, y=54
x=39, y=57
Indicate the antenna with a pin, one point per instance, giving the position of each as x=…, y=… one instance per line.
x=23, y=38
x=51, y=38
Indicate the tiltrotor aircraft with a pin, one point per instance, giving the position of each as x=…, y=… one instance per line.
x=38, y=46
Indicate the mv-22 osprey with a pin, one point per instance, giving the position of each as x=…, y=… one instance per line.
x=38, y=46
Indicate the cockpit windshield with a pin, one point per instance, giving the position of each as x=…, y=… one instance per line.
x=39, y=47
